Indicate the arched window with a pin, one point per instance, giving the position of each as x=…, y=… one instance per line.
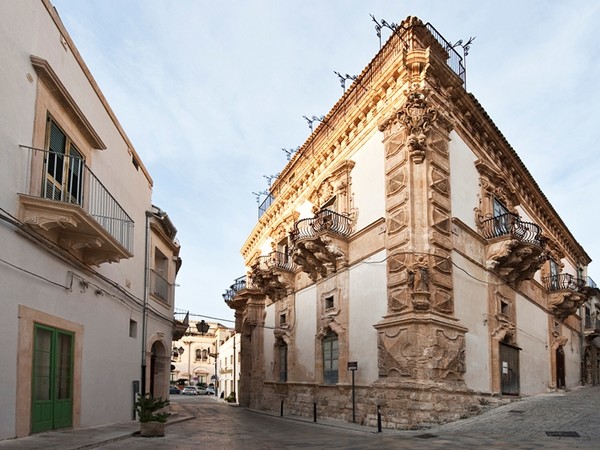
x=330, y=358
x=198, y=354
x=204, y=355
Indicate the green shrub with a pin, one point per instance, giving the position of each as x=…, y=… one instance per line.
x=147, y=407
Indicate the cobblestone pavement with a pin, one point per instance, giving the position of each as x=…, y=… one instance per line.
x=215, y=424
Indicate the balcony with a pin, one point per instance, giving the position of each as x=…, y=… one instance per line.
x=160, y=287
x=273, y=274
x=515, y=249
x=240, y=292
x=566, y=294
x=320, y=243
x=591, y=325
x=69, y=205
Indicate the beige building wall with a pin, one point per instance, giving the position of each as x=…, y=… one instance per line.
x=56, y=275
x=367, y=294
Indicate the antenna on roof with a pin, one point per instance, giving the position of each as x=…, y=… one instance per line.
x=313, y=119
x=391, y=26
x=344, y=78
x=270, y=178
x=290, y=152
x=258, y=194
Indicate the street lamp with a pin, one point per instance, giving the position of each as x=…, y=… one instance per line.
x=202, y=327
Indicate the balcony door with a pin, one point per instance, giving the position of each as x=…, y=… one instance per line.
x=52, y=396
x=501, y=219
x=63, y=167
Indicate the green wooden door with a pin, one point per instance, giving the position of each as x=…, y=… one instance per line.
x=52, y=395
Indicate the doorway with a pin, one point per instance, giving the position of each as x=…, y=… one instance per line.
x=509, y=369
x=560, y=368
x=52, y=388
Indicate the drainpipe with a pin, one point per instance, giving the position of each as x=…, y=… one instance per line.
x=145, y=307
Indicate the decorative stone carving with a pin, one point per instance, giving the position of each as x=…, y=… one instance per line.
x=418, y=274
x=447, y=352
x=559, y=341
x=321, y=255
x=396, y=355
x=416, y=116
x=514, y=260
x=421, y=350
x=564, y=303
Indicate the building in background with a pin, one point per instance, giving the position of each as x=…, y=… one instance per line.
x=406, y=247
x=87, y=262
x=204, y=356
x=229, y=365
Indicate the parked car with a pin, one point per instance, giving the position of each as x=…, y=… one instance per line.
x=201, y=391
x=210, y=391
x=174, y=390
x=190, y=390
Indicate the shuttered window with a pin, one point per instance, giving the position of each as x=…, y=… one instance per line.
x=330, y=358
x=64, y=167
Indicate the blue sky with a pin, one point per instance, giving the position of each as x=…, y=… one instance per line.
x=209, y=92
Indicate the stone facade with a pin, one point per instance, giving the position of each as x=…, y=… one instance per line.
x=407, y=241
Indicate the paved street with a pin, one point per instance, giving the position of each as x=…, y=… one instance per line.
x=218, y=425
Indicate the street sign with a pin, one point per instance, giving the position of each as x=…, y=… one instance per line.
x=352, y=365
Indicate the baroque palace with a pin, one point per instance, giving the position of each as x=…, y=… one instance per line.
x=405, y=261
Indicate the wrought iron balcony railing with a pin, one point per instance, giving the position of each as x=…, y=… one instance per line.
x=510, y=224
x=564, y=281
x=324, y=220
x=279, y=260
x=238, y=284
x=160, y=287
x=268, y=201
x=68, y=179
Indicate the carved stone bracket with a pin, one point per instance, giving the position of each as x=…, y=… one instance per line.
x=564, y=303
x=514, y=260
x=320, y=255
x=272, y=282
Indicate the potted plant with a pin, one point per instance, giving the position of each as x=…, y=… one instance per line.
x=230, y=398
x=152, y=422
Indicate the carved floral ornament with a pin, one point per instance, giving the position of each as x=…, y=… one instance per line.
x=415, y=117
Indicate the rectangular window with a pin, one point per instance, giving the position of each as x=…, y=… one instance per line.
x=282, y=319
x=329, y=302
x=160, y=273
x=132, y=328
x=283, y=363
x=330, y=358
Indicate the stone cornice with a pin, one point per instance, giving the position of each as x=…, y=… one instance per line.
x=351, y=121
x=51, y=79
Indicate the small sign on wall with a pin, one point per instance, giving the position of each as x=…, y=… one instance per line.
x=504, y=367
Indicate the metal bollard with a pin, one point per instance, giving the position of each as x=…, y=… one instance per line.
x=314, y=412
x=281, y=410
x=378, y=419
